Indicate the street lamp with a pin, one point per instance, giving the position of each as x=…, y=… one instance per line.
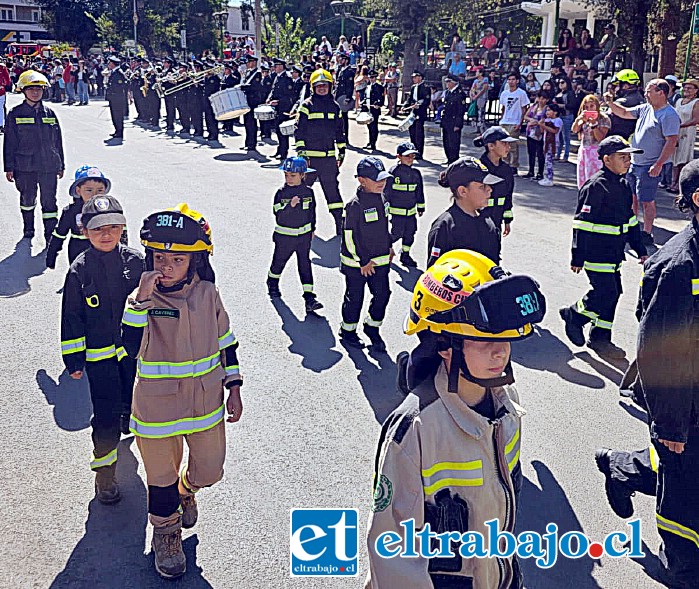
x=342, y=8
x=221, y=18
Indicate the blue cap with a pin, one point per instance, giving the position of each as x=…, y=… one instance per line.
x=407, y=148
x=372, y=167
x=295, y=165
x=85, y=173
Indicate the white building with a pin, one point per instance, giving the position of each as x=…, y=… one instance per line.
x=20, y=20
x=235, y=25
x=576, y=12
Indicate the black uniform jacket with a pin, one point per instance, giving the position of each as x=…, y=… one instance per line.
x=33, y=140
x=454, y=109
x=212, y=84
x=365, y=234
x=117, y=88
x=320, y=128
x=377, y=98
x=345, y=82
x=297, y=220
x=455, y=229
x=423, y=100
x=667, y=360
x=625, y=127
x=405, y=192
x=232, y=80
x=604, y=222
x=253, y=88
x=94, y=296
x=283, y=91
x=499, y=207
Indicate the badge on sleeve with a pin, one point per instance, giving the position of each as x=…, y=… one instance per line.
x=383, y=494
x=585, y=209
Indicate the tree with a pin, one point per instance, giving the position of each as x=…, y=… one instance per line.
x=390, y=45
x=291, y=42
x=66, y=20
x=105, y=29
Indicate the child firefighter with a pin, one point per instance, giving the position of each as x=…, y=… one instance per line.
x=176, y=326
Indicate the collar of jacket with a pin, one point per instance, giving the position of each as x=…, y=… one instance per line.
x=611, y=175
x=471, y=422
x=367, y=194
x=181, y=289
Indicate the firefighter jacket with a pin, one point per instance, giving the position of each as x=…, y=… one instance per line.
x=297, y=220
x=283, y=91
x=455, y=229
x=253, y=88
x=404, y=192
x=117, y=87
x=319, y=132
x=499, y=207
x=365, y=235
x=33, y=140
x=441, y=462
x=344, y=83
x=185, y=354
x=668, y=311
x=604, y=222
x=454, y=109
x=419, y=94
x=94, y=295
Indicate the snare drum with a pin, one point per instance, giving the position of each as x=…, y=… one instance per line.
x=229, y=104
x=288, y=127
x=407, y=123
x=365, y=118
x=265, y=112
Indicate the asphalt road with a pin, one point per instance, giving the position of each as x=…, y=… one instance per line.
x=312, y=410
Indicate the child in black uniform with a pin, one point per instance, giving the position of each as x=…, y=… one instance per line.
x=295, y=212
x=96, y=287
x=406, y=200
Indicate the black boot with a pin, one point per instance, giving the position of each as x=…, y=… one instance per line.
x=49, y=226
x=28, y=220
x=337, y=215
x=273, y=288
x=407, y=261
x=373, y=334
x=618, y=494
x=311, y=302
x=574, y=327
x=350, y=338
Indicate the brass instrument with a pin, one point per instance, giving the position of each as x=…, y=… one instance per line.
x=146, y=85
x=193, y=78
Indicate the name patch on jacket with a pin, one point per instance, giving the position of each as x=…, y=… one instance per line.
x=371, y=215
x=171, y=313
x=585, y=209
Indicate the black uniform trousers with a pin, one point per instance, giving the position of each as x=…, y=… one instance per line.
x=283, y=148
x=417, y=135
x=28, y=184
x=673, y=479
x=345, y=124
x=182, y=103
x=380, y=290
x=250, y=129
x=286, y=246
x=599, y=304
x=118, y=108
x=211, y=120
x=266, y=128
x=374, y=127
x=153, y=101
x=197, y=114
x=451, y=140
x=404, y=227
x=328, y=172
x=170, y=103
x=111, y=389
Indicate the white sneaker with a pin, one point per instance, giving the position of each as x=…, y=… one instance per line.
x=545, y=182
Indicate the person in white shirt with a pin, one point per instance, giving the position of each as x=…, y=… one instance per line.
x=514, y=103
x=325, y=45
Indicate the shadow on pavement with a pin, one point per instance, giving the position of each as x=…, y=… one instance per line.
x=377, y=379
x=612, y=370
x=539, y=506
x=110, y=554
x=328, y=252
x=543, y=351
x=634, y=411
x=70, y=399
x=408, y=277
x=652, y=565
x=17, y=268
x=312, y=338
x=241, y=157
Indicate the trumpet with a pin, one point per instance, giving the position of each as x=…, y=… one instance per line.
x=193, y=79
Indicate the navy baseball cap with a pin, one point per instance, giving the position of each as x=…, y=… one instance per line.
x=407, y=148
x=372, y=168
x=102, y=210
x=466, y=170
x=497, y=133
x=615, y=144
x=689, y=180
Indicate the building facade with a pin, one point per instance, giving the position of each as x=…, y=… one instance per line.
x=20, y=21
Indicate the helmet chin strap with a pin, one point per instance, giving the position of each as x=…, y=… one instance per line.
x=459, y=368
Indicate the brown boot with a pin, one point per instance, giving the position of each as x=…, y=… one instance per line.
x=170, y=561
x=190, y=513
x=106, y=488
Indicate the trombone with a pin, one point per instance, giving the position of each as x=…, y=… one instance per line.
x=194, y=78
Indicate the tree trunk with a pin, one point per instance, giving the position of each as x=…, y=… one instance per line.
x=411, y=59
x=638, y=37
x=669, y=38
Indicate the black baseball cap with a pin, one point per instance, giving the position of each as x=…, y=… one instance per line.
x=417, y=73
x=497, y=133
x=372, y=168
x=465, y=170
x=407, y=148
x=615, y=144
x=277, y=61
x=452, y=78
x=689, y=180
x=102, y=210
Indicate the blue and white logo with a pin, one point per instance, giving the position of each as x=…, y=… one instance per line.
x=323, y=543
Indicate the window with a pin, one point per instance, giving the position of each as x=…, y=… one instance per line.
x=35, y=15
x=6, y=14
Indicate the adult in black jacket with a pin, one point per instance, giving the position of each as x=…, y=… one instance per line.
x=626, y=95
x=168, y=76
x=344, y=85
x=667, y=382
x=282, y=97
x=375, y=99
x=418, y=102
x=116, y=95
x=196, y=102
x=462, y=225
x=231, y=79
x=452, y=118
x=212, y=84
x=255, y=95
x=497, y=143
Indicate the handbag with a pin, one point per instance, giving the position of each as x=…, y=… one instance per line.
x=472, y=109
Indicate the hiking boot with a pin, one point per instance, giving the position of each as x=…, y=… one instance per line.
x=190, y=512
x=574, y=331
x=106, y=488
x=618, y=494
x=170, y=561
x=606, y=349
x=124, y=423
x=311, y=303
x=376, y=340
x=351, y=339
x=273, y=289
x=407, y=261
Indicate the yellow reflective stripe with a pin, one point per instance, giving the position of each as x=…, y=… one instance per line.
x=463, y=474
x=316, y=115
x=335, y=205
x=49, y=120
x=405, y=187
x=472, y=465
x=654, y=459
x=24, y=120
x=382, y=260
x=303, y=110
x=78, y=236
x=186, y=369
x=695, y=286
x=331, y=115
x=107, y=460
x=491, y=202
x=49, y=215
x=233, y=370
x=178, y=427
x=349, y=262
x=594, y=228
x=341, y=145
x=349, y=242
x=97, y=354
x=599, y=267
x=300, y=143
x=372, y=322
x=313, y=153
x=508, y=215
x=226, y=340
x=294, y=231
x=403, y=212
x=603, y=324
x=580, y=308
x=633, y=221
x=512, y=451
x=135, y=318
x=678, y=529
x=500, y=201
x=58, y=235
x=71, y=346
x=28, y=208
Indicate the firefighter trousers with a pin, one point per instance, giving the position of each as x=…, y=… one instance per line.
x=327, y=173
x=111, y=387
x=286, y=246
x=167, y=479
x=28, y=184
x=404, y=227
x=373, y=127
x=673, y=479
x=380, y=290
x=451, y=140
x=599, y=304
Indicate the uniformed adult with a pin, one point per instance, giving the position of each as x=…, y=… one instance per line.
x=375, y=99
x=452, y=120
x=212, y=84
x=320, y=138
x=418, y=102
x=296, y=72
x=626, y=86
x=168, y=76
x=266, y=126
x=668, y=383
x=604, y=223
x=344, y=87
x=182, y=101
x=152, y=99
x=281, y=97
x=116, y=96
x=134, y=82
x=231, y=79
x=254, y=93
x=196, y=102
x=462, y=225
x=33, y=153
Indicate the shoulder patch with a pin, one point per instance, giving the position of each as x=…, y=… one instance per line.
x=383, y=494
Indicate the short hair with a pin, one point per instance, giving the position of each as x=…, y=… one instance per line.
x=663, y=86
x=514, y=74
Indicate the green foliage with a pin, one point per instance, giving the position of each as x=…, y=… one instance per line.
x=104, y=28
x=291, y=43
x=390, y=44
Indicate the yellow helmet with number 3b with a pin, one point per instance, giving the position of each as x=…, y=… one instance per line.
x=31, y=78
x=321, y=77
